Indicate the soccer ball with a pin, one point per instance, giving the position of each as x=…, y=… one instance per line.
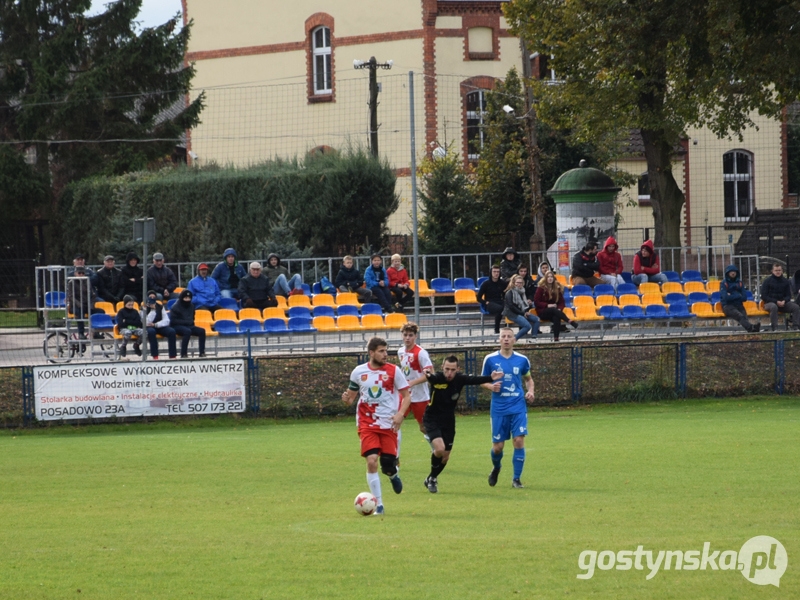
x=365, y=504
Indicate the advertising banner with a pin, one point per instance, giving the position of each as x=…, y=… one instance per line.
x=129, y=389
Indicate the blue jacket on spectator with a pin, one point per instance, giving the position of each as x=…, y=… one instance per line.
x=372, y=277
x=731, y=290
x=205, y=291
x=222, y=272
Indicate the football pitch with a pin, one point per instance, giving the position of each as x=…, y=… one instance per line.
x=242, y=508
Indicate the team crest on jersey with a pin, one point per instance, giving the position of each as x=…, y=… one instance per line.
x=375, y=391
x=516, y=370
x=384, y=377
x=406, y=370
x=364, y=377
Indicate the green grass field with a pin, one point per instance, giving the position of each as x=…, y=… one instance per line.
x=240, y=509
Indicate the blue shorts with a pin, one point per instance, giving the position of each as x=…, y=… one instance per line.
x=507, y=426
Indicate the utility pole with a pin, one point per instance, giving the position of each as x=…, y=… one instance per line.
x=373, y=66
x=537, y=240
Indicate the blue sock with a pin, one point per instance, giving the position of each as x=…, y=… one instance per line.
x=519, y=462
x=496, y=458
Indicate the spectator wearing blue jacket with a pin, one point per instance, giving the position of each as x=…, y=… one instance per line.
x=228, y=273
x=732, y=297
x=377, y=280
x=205, y=290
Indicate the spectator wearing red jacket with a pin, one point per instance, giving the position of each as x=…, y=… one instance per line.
x=646, y=266
x=610, y=263
x=398, y=282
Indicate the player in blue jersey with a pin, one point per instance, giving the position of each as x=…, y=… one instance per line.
x=509, y=411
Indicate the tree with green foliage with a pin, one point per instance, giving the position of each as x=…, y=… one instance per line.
x=661, y=67
x=119, y=240
x=23, y=191
x=450, y=221
x=281, y=239
x=89, y=95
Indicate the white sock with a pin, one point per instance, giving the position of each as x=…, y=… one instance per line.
x=428, y=439
x=374, y=483
x=399, y=437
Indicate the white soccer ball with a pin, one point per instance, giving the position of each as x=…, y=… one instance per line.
x=365, y=504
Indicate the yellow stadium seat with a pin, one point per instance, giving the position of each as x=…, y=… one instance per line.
x=570, y=313
x=274, y=312
x=424, y=290
x=347, y=299
x=251, y=313
x=282, y=302
x=712, y=286
x=717, y=310
x=579, y=301
x=629, y=300
x=207, y=325
x=227, y=314
x=703, y=310
x=465, y=297
x=121, y=305
x=672, y=287
x=348, y=323
x=649, y=288
x=694, y=286
x=395, y=320
x=323, y=300
x=202, y=315
x=605, y=300
x=562, y=280
x=106, y=307
x=587, y=313
x=754, y=310
x=372, y=322
x=300, y=300
x=650, y=299
x=324, y=324
x=178, y=290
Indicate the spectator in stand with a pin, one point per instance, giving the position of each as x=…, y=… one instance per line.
x=610, y=263
x=205, y=290
x=646, y=266
x=283, y=284
x=228, y=273
x=584, y=265
x=129, y=323
x=349, y=279
x=81, y=297
x=132, y=275
x=549, y=303
x=796, y=284
x=543, y=269
x=80, y=261
x=161, y=279
x=776, y=292
x=732, y=297
x=255, y=289
x=528, y=283
x=181, y=318
x=491, y=296
x=510, y=263
x=110, y=283
x=398, y=283
x=157, y=321
x=516, y=308
x=377, y=281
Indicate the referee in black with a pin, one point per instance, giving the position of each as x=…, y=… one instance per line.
x=439, y=419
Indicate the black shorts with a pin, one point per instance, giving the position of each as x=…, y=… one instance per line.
x=437, y=427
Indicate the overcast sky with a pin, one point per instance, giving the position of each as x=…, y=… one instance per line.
x=154, y=12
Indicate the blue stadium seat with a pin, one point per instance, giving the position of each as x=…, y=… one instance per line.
x=672, y=276
x=231, y=303
x=370, y=308
x=441, y=285
x=300, y=324
x=226, y=327
x=627, y=288
x=632, y=312
x=603, y=290
x=323, y=311
x=674, y=297
x=749, y=295
x=251, y=325
x=299, y=311
x=581, y=290
x=714, y=298
x=626, y=277
x=101, y=322
x=609, y=312
x=55, y=300
x=347, y=309
x=691, y=276
x=656, y=311
x=696, y=297
x=679, y=310
x=275, y=326
x=316, y=288
x=464, y=283
x=481, y=280
x=306, y=289
x=171, y=303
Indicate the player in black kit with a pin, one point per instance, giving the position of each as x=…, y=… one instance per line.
x=439, y=419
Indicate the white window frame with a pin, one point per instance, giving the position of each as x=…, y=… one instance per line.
x=642, y=197
x=736, y=178
x=322, y=51
x=478, y=115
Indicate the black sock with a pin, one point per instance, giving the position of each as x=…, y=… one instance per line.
x=437, y=466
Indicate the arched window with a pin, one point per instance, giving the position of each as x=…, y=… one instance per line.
x=321, y=51
x=476, y=112
x=737, y=177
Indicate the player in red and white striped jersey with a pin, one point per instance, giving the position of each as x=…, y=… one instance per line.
x=383, y=399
